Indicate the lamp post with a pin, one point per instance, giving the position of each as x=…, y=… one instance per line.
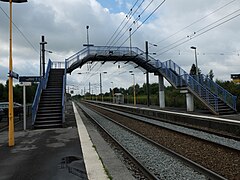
x=42, y=56
x=88, y=46
x=134, y=89
x=147, y=73
x=101, y=84
x=87, y=27
x=130, y=40
x=195, y=50
x=10, y=86
x=112, y=93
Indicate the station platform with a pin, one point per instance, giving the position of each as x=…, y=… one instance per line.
x=62, y=153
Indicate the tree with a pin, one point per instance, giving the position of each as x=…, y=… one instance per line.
x=193, y=70
x=210, y=74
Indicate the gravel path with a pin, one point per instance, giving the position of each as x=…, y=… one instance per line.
x=163, y=165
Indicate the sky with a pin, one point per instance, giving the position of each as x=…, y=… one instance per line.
x=211, y=26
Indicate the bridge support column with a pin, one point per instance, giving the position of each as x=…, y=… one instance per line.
x=161, y=92
x=190, y=101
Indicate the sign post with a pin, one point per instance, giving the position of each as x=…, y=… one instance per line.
x=24, y=84
x=26, y=81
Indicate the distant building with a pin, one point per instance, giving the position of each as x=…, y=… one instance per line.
x=118, y=98
x=236, y=78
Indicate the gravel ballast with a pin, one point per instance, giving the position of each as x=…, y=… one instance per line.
x=219, y=159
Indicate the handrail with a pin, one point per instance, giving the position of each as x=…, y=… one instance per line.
x=36, y=101
x=216, y=89
x=47, y=73
x=202, y=91
x=42, y=85
x=180, y=78
x=172, y=71
x=104, y=51
x=222, y=93
x=58, y=65
x=63, y=92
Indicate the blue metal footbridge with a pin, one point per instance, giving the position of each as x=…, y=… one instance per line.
x=214, y=97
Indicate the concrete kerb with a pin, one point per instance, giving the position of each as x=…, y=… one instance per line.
x=94, y=166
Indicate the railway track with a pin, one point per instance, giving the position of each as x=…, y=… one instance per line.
x=199, y=134
x=161, y=161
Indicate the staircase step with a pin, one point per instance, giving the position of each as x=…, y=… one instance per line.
x=47, y=126
x=44, y=114
x=50, y=98
x=52, y=90
x=48, y=118
x=49, y=113
x=49, y=122
x=51, y=94
x=49, y=101
x=47, y=106
x=48, y=110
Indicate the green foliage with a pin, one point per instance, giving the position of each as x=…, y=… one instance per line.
x=18, y=93
x=173, y=97
x=232, y=88
x=210, y=74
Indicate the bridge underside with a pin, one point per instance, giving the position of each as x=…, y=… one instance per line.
x=207, y=91
x=140, y=63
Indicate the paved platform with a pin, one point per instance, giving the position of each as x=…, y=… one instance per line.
x=75, y=152
x=53, y=154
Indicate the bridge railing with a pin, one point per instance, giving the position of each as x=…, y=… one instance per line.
x=58, y=65
x=63, y=92
x=103, y=51
x=180, y=78
x=206, y=82
x=222, y=93
x=77, y=56
x=42, y=85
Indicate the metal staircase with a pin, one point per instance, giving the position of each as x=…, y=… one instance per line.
x=213, y=96
x=217, y=99
x=49, y=111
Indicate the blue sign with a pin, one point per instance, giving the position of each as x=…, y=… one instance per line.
x=29, y=79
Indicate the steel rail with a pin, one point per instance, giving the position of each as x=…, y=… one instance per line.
x=199, y=168
x=185, y=126
x=137, y=163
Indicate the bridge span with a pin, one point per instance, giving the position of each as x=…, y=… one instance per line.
x=214, y=97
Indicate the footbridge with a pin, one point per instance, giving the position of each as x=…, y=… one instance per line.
x=214, y=97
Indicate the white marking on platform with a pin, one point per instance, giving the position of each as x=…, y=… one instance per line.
x=177, y=113
x=93, y=164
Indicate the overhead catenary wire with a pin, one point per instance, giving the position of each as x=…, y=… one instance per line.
x=144, y=21
x=132, y=15
x=198, y=20
x=23, y=35
x=133, y=21
x=199, y=34
x=128, y=14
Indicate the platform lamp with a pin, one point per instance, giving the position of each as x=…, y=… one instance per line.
x=130, y=40
x=134, y=88
x=11, y=75
x=195, y=55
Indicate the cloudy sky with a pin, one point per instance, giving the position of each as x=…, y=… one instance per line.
x=212, y=26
